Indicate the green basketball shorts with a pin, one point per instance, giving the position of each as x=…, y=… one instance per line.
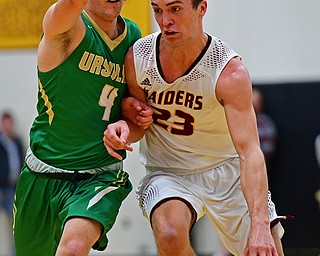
x=43, y=204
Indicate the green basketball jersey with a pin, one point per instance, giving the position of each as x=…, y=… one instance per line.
x=79, y=98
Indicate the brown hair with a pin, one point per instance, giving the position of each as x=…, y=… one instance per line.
x=195, y=3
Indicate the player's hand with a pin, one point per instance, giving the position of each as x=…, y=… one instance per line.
x=260, y=242
x=136, y=111
x=115, y=138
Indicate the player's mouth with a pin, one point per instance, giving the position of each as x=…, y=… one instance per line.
x=169, y=32
x=113, y=1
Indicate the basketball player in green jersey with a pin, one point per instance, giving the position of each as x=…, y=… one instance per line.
x=70, y=189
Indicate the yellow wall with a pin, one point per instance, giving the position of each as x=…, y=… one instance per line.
x=139, y=12
x=21, y=24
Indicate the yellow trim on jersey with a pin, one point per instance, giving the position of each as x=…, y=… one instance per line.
x=47, y=103
x=111, y=43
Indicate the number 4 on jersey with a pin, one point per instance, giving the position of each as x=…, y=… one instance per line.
x=107, y=97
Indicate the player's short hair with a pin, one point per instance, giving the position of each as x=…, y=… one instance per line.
x=195, y=3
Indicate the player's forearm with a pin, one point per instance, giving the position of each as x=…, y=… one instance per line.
x=254, y=184
x=136, y=132
x=62, y=16
x=127, y=110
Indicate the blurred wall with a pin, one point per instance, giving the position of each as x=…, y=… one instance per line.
x=279, y=40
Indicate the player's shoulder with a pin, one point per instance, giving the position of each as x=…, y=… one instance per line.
x=148, y=39
x=221, y=48
x=133, y=32
x=234, y=71
x=131, y=25
x=144, y=46
x=234, y=81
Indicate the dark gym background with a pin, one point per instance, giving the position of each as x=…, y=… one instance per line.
x=295, y=174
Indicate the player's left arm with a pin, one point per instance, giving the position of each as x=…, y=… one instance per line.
x=234, y=91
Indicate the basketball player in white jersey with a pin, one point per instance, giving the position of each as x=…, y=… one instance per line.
x=202, y=153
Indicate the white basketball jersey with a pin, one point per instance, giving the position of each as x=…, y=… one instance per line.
x=189, y=133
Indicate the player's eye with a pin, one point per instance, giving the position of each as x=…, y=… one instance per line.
x=156, y=10
x=175, y=9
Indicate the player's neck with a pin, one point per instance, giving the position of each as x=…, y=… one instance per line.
x=186, y=51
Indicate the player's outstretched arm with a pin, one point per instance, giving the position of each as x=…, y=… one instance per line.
x=63, y=29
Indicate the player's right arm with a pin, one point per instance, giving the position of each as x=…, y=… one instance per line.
x=63, y=30
x=121, y=134
x=134, y=89
x=135, y=107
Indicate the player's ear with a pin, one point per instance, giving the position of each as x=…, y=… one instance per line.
x=203, y=7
